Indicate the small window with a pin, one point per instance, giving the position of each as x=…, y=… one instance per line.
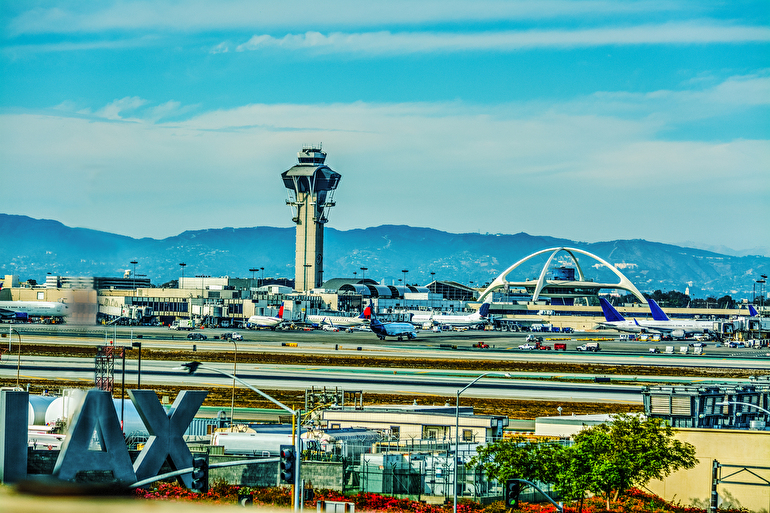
x=467, y=435
x=395, y=432
x=336, y=426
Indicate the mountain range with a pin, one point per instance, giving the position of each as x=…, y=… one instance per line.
x=32, y=248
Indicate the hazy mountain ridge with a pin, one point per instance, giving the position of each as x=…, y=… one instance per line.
x=33, y=248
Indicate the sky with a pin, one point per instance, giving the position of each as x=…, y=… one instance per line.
x=589, y=120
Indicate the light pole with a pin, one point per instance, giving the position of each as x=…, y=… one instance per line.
x=363, y=273
x=253, y=270
x=435, y=287
x=725, y=403
x=457, y=429
x=263, y=276
x=18, y=362
x=235, y=362
x=404, y=271
x=191, y=367
x=133, y=276
x=138, y=345
x=182, y=265
x=308, y=266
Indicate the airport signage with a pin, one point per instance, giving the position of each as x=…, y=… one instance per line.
x=95, y=441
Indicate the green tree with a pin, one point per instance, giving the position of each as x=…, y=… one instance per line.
x=518, y=458
x=629, y=451
x=606, y=459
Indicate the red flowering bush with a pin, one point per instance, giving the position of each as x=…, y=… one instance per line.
x=633, y=501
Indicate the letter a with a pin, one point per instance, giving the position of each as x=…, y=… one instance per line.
x=95, y=415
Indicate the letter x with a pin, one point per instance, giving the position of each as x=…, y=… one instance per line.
x=166, y=431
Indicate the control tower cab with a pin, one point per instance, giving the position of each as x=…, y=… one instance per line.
x=310, y=185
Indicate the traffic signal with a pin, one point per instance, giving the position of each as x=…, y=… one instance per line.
x=288, y=464
x=200, y=475
x=512, y=489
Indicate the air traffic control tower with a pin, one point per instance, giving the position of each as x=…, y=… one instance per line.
x=311, y=186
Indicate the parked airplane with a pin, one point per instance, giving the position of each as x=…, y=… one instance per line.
x=475, y=319
x=25, y=309
x=660, y=322
x=392, y=329
x=22, y=310
x=263, y=321
x=340, y=321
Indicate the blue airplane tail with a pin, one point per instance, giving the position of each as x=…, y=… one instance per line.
x=610, y=313
x=657, y=313
x=752, y=311
x=484, y=310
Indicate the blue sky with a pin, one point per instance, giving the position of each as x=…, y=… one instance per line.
x=590, y=120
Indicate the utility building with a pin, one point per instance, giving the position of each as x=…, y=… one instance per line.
x=311, y=185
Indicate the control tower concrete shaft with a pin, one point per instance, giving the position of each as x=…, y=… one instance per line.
x=311, y=185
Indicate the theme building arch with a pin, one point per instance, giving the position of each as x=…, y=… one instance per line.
x=502, y=282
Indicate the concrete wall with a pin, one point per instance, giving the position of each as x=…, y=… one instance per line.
x=323, y=474
x=728, y=447
x=263, y=474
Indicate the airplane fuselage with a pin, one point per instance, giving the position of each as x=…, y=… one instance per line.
x=393, y=329
x=338, y=321
x=451, y=320
x=21, y=309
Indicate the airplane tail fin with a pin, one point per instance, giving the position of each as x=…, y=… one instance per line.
x=657, y=313
x=610, y=314
x=366, y=314
x=280, y=312
x=484, y=310
x=752, y=311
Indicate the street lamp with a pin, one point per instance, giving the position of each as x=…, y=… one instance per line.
x=253, y=270
x=307, y=266
x=182, y=265
x=363, y=273
x=404, y=271
x=191, y=367
x=726, y=403
x=263, y=276
x=457, y=429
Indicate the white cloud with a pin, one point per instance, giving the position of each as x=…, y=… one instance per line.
x=452, y=166
x=202, y=15
x=385, y=42
x=113, y=110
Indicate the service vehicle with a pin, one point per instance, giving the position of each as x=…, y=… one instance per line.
x=182, y=324
x=196, y=336
x=589, y=346
x=527, y=347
